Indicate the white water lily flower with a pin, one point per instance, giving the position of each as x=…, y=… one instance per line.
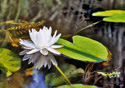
x=39, y=50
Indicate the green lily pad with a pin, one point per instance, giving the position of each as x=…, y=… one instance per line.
x=108, y=13
x=115, y=18
x=84, y=49
x=72, y=73
x=9, y=61
x=112, y=15
x=77, y=86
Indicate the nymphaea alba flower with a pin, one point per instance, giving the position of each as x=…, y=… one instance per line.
x=41, y=49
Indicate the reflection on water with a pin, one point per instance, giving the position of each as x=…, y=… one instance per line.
x=22, y=80
x=38, y=80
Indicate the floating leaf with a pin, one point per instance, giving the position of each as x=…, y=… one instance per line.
x=2, y=68
x=56, y=79
x=112, y=15
x=9, y=62
x=84, y=49
x=116, y=18
x=77, y=86
x=108, y=13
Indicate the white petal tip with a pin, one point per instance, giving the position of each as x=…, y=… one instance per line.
x=59, y=35
x=20, y=40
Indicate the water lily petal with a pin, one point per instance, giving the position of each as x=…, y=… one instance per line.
x=26, y=57
x=31, y=60
x=33, y=36
x=49, y=63
x=45, y=31
x=56, y=46
x=39, y=39
x=48, y=37
x=45, y=28
x=44, y=51
x=43, y=38
x=23, y=52
x=55, y=34
x=34, y=57
x=54, y=40
x=27, y=43
x=32, y=51
x=42, y=42
x=33, y=30
x=46, y=61
x=28, y=48
x=53, y=51
x=40, y=62
x=49, y=31
x=54, y=62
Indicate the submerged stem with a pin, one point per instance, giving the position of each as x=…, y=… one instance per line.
x=61, y=72
x=87, y=26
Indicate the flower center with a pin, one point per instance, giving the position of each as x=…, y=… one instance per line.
x=43, y=47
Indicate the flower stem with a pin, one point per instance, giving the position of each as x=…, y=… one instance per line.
x=61, y=72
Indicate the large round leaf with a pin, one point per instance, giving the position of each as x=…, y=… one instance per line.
x=84, y=49
x=9, y=61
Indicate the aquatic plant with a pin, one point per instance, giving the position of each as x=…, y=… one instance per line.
x=17, y=30
x=112, y=15
x=73, y=74
x=110, y=75
x=40, y=49
x=77, y=86
x=9, y=61
x=12, y=34
x=82, y=48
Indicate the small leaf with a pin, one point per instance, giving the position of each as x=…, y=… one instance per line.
x=77, y=86
x=9, y=61
x=84, y=49
x=110, y=75
x=108, y=13
x=115, y=18
x=112, y=15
